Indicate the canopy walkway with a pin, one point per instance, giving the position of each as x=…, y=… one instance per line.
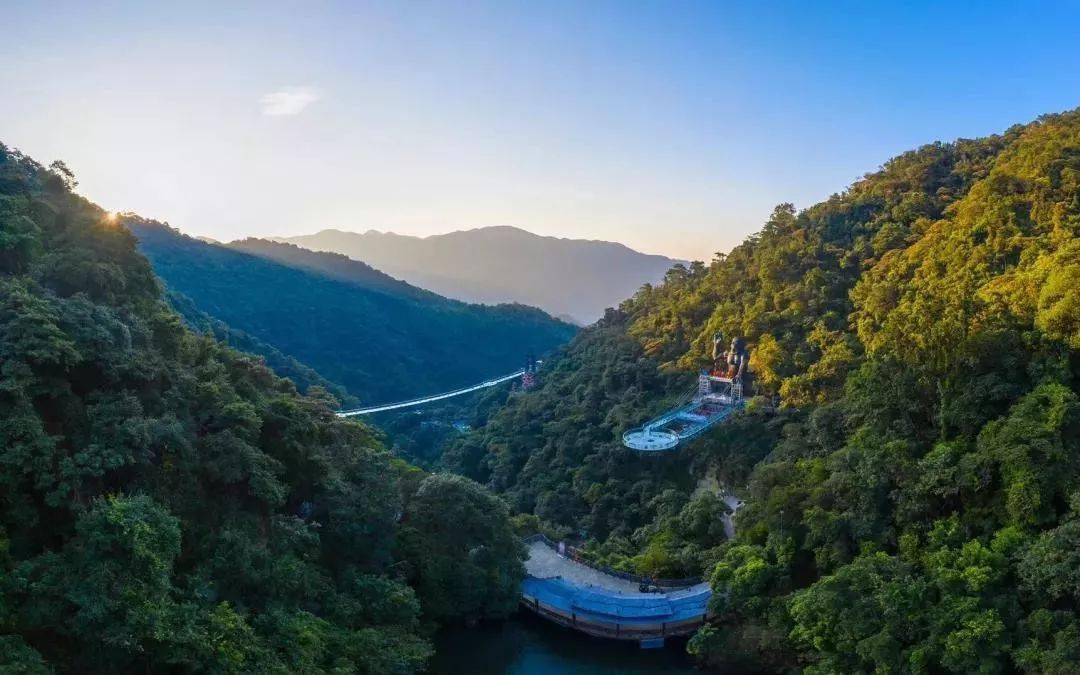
x=523, y=373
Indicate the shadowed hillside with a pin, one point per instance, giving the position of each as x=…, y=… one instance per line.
x=333, y=265
x=380, y=338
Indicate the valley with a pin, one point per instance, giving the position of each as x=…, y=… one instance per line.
x=897, y=486
x=530, y=338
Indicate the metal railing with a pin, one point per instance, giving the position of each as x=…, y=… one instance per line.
x=678, y=424
x=664, y=440
x=613, y=629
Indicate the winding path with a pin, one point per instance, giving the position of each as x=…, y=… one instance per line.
x=733, y=503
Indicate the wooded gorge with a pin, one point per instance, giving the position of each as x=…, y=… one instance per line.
x=910, y=461
x=913, y=505
x=169, y=504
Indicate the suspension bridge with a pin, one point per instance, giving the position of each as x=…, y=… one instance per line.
x=526, y=374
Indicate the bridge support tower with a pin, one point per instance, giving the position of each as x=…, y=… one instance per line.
x=528, y=378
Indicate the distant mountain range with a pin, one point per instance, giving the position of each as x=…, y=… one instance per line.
x=379, y=337
x=570, y=278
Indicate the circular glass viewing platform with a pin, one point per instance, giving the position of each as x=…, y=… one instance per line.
x=650, y=440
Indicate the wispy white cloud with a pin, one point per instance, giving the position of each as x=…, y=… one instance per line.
x=289, y=100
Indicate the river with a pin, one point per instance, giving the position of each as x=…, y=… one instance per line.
x=528, y=645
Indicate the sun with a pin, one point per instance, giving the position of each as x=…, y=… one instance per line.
x=111, y=216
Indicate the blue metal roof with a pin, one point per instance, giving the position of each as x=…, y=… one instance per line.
x=608, y=606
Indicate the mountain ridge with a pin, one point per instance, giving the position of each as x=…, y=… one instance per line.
x=512, y=229
x=578, y=278
x=328, y=263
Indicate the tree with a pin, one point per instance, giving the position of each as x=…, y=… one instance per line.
x=466, y=561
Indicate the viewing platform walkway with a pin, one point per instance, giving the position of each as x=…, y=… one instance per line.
x=598, y=603
x=711, y=401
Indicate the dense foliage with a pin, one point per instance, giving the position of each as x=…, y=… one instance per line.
x=167, y=503
x=455, y=576
x=303, y=376
x=914, y=504
x=381, y=339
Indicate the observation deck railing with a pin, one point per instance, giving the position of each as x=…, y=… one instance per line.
x=614, y=629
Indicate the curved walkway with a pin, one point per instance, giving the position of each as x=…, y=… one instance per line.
x=733, y=503
x=545, y=563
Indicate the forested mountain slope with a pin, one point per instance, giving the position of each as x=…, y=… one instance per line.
x=303, y=376
x=379, y=338
x=914, y=505
x=168, y=504
x=566, y=277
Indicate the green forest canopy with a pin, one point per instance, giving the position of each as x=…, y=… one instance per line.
x=167, y=503
x=914, y=505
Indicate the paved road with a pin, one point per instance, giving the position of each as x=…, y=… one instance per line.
x=544, y=563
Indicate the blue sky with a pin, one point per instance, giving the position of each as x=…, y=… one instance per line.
x=674, y=127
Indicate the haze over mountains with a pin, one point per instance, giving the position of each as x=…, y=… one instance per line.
x=570, y=278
